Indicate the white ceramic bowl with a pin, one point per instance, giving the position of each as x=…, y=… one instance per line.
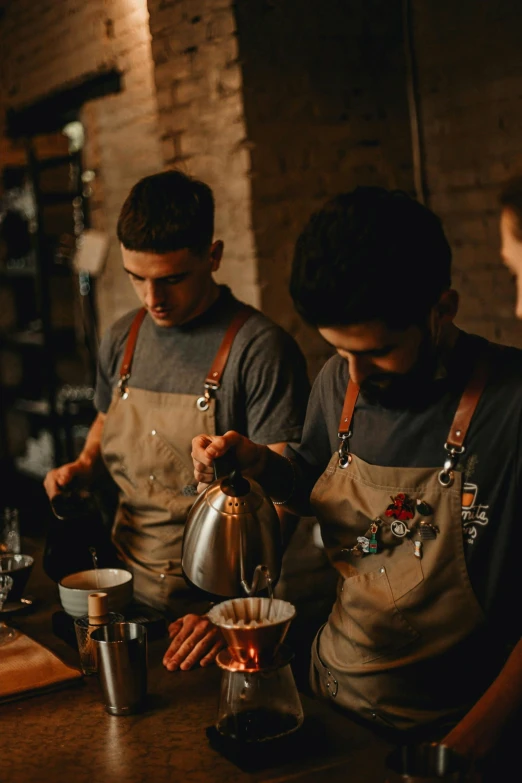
x=74, y=589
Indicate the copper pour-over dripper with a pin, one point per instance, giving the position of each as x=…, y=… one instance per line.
x=253, y=629
x=258, y=697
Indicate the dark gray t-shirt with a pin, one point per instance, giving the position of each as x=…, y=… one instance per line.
x=492, y=463
x=264, y=389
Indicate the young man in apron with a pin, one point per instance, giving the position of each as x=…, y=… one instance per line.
x=411, y=459
x=192, y=358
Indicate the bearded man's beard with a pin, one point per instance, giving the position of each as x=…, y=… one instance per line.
x=411, y=390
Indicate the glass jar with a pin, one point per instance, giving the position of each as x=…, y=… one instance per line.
x=259, y=704
x=86, y=648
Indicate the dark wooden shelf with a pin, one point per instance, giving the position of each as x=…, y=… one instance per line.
x=57, y=160
x=33, y=339
x=62, y=340
x=25, y=272
x=35, y=407
x=46, y=340
x=64, y=197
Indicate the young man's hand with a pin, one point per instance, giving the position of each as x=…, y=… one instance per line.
x=250, y=457
x=82, y=471
x=194, y=639
x=59, y=479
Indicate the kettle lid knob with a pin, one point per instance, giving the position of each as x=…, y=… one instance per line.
x=235, y=485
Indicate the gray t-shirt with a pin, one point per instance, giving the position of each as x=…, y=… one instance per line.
x=264, y=389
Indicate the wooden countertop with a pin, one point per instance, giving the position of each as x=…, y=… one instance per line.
x=67, y=737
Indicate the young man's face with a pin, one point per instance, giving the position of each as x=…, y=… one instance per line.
x=392, y=367
x=511, y=251
x=174, y=287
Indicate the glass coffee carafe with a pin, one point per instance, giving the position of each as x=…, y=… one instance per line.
x=258, y=699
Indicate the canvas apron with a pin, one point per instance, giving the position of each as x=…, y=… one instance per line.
x=394, y=649
x=146, y=446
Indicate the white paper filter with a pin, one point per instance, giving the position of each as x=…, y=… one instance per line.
x=251, y=612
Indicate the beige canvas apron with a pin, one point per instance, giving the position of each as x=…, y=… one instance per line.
x=394, y=647
x=146, y=445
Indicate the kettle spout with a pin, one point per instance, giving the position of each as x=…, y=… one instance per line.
x=259, y=572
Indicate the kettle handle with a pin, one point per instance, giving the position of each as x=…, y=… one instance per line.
x=225, y=465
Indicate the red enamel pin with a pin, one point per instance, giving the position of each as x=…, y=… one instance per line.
x=401, y=508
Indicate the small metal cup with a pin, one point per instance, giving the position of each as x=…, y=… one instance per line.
x=121, y=650
x=426, y=763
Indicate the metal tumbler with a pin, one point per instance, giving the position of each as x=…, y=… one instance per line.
x=122, y=666
x=426, y=763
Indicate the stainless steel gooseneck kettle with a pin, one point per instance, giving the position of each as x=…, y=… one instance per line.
x=232, y=535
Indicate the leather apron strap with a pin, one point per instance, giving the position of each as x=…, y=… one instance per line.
x=459, y=428
x=129, y=351
x=215, y=374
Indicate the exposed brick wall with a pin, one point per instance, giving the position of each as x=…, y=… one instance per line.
x=470, y=79
x=51, y=42
x=199, y=87
x=123, y=139
x=279, y=105
x=326, y=110
x=48, y=45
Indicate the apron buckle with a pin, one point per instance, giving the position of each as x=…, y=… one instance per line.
x=447, y=474
x=203, y=403
x=344, y=448
x=122, y=386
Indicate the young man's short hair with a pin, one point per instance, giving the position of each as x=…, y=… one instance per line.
x=367, y=255
x=167, y=212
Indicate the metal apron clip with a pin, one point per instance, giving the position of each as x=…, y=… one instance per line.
x=203, y=403
x=344, y=449
x=447, y=474
x=122, y=386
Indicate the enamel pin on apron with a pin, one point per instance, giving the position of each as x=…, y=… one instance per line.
x=399, y=529
x=424, y=508
x=367, y=544
x=363, y=545
x=401, y=508
x=427, y=530
x=400, y=511
x=373, y=548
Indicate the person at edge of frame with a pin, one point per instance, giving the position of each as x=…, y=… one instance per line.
x=411, y=460
x=150, y=410
x=511, y=233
